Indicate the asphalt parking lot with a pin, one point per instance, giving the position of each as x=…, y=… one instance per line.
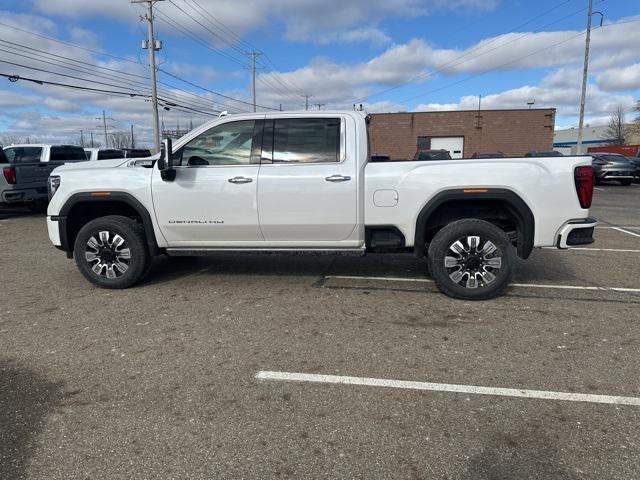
x=160, y=381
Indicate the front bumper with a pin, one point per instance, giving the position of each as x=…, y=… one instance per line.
x=616, y=175
x=576, y=232
x=53, y=227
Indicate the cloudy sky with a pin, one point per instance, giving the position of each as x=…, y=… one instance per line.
x=390, y=55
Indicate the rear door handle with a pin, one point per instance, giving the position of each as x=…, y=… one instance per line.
x=338, y=178
x=240, y=180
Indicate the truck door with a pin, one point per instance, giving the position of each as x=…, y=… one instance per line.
x=307, y=186
x=212, y=200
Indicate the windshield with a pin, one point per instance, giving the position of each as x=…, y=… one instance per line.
x=23, y=154
x=110, y=154
x=614, y=158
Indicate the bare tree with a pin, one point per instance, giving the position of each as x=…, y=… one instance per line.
x=616, y=132
x=120, y=140
x=9, y=139
x=636, y=121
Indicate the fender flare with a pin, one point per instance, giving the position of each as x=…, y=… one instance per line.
x=120, y=197
x=525, y=221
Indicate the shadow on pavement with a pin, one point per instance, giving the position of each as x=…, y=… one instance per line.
x=16, y=212
x=528, y=452
x=26, y=398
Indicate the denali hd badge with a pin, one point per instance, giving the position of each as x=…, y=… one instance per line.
x=196, y=222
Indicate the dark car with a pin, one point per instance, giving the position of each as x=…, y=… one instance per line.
x=636, y=162
x=613, y=166
x=380, y=157
x=422, y=155
x=553, y=153
x=489, y=155
x=136, y=152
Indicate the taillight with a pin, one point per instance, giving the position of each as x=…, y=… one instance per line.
x=584, y=185
x=9, y=175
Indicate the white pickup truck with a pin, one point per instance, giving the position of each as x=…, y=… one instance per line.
x=292, y=182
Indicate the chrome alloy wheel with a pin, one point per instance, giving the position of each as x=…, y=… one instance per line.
x=108, y=254
x=473, y=262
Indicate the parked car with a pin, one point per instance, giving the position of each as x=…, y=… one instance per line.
x=423, y=155
x=136, y=152
x=25, y=170
x=103, y=153
x=553, y=153
x=302, y=182
x=636, y=162
x=488, y=155
x=613, y=166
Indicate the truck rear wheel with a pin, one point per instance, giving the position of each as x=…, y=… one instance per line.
x=471, y=259
x=111, y=252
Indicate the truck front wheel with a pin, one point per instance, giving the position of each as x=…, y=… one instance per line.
x=111, y=252
x=471, y=259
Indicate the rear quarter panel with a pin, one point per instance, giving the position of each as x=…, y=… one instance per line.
x=546, y=185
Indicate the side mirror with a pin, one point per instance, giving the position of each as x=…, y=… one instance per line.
x=165, y=162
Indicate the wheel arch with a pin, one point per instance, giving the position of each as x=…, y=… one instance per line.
x=478, y=199
x=85, y=206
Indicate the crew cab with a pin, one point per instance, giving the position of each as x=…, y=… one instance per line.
x=292, y=182
x=26, y=168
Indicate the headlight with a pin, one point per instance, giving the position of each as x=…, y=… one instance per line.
x=54, y=183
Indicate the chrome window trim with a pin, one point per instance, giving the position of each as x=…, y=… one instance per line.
x=343, y=143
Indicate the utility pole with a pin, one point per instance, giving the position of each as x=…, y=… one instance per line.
x=253, y=54
x=585, y=73
x=91, y=139
x=306, y=101
x=152, y=45
x=81, y=138
x=133, y=143
x=104, y=119
x=104, y=124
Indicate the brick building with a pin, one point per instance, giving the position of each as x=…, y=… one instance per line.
x=514, y=132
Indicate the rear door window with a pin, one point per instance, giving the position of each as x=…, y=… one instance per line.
x=67, y=153
x=23, y=154
x=306, y=140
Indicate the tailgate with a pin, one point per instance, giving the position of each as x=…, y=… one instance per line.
x=33, y=173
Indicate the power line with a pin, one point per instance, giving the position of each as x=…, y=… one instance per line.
x=94, y=52
x=495, y=68
x=217, y=24
x=516, y=60
x=181, y=28
x=211, y=91
x=454, y=62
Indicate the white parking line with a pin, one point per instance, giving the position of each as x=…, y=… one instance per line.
x=624, y=226
x=517, y=285
x=625, y=250
x=626, y=231
x=447, y=387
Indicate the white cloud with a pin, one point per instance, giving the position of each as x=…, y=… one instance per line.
x=303, y=20
x=617, y=79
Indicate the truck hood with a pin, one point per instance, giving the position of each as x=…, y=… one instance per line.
x=92, y=165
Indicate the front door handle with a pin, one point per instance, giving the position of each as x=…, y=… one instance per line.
x=338, y=178
x=240, y=180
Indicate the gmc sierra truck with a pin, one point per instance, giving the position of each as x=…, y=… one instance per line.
x=299, y=182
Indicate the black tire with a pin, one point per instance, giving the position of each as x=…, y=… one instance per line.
x=138, y=262
x=626, y=183
x=486, y=287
